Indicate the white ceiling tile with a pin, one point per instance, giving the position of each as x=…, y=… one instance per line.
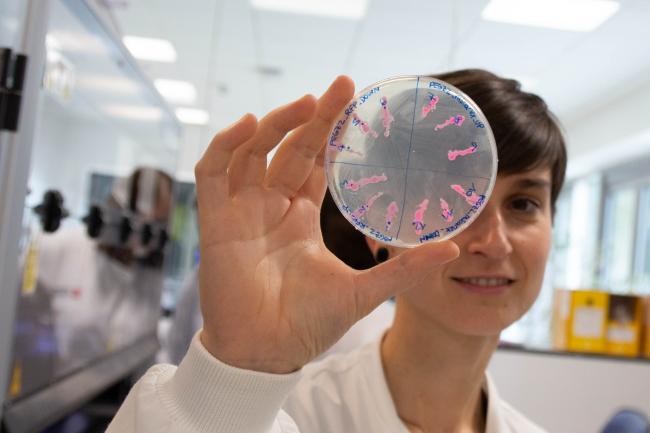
x=301, y=41
x=222, y=43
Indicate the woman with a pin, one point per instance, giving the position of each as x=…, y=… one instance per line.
x=273, y=297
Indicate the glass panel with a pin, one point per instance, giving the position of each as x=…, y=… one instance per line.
x=561, y=239
x=92, y=278
x=12, y=16
x=584, y=229
x=618, y=239
x=641, y=280
x=572, y=261
x=533, y=329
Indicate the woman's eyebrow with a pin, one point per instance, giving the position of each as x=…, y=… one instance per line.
x=533, y=183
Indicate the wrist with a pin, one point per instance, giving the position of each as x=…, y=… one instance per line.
x=236, y=356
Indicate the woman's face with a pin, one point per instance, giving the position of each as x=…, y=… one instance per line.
x=499, y=272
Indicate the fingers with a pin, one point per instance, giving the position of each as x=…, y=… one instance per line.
x=399, y=274
x=293, y=163
x=316, y=184
x=215, y=160
x=248, y=165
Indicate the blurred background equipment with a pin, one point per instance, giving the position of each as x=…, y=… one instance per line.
x=628, y=421
x=82, y=270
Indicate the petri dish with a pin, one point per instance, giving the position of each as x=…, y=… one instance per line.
x=411, y=159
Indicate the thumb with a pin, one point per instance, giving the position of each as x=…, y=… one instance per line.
x=401, y=273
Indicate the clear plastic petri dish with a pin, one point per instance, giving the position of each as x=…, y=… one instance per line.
x=411, y=159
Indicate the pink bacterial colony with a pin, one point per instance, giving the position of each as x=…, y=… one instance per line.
x=453, y=154
x=387, y=117
x=470, y=195
x=418, y=218
x=361, y=211
x=363, y=125
x=391, y=211
x=353, y=185
x=457, y=120
x=342, y=147
x=431, y=105
x=447, y=214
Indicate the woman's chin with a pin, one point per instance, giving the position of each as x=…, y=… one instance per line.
x=482, y=325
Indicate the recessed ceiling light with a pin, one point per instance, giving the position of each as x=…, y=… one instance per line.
x=193, y=116
x=573, y=15
x=269, y=71
x=348, y=9
x=176, y=92
x=156, y=50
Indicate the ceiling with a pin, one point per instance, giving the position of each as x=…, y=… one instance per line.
x=243, y=59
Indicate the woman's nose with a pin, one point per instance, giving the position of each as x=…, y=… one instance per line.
x=488, y=235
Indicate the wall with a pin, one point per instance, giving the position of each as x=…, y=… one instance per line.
x=570, y=394
x=610, y=132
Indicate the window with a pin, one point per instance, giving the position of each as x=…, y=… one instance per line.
x=618, y=239
x=641, y=276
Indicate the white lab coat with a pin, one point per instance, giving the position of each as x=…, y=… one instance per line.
x=345, y=393
x=187, y=321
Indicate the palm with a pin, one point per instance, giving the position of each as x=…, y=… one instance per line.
x=272, y=296
x=266, y=258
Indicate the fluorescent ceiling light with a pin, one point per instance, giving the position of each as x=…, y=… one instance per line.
x=53, y=56
x=176, y=92
x=108, y=84
x=573, y=15
x=156, y=50
x=192, y=116
x=51, y=42
x=134, y=112
x=73, y=41
x=347, y=9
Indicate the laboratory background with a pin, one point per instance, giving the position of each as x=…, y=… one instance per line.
x=106, y=105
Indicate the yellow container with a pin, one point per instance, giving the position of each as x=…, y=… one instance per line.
x=580, y=320
x=646, y=326
x=624, y=325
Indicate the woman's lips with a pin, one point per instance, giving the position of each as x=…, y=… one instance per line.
x=484, y=284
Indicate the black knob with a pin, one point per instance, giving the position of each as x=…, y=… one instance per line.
x=146, y=234
x=162, y=239
x=94, y=221
x=125, y=229
x=51, y=211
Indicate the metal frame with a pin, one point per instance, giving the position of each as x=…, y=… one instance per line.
x=14, y=172
x=31, y=413
x=37, y=411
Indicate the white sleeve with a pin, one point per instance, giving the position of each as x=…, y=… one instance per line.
x=205, y=395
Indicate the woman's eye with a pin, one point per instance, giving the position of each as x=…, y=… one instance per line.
x=525, y=205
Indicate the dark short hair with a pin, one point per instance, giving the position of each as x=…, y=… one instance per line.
x=527, y=134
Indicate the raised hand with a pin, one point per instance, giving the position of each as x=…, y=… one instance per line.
x=272, y=296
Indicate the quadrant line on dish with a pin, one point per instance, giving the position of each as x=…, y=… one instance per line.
x=472, y=176
x=408, y=158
